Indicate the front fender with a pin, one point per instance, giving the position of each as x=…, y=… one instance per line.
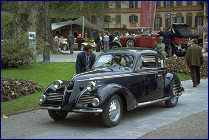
x=129, y=101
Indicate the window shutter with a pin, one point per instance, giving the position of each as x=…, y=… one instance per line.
x=130, y=5
x=136, y=3
x=130, y=19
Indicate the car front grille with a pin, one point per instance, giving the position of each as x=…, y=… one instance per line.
x=86, y=99
x=56, y=97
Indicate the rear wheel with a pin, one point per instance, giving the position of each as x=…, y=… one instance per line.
x=57, y=115
x=172, y=102
x=113, y=111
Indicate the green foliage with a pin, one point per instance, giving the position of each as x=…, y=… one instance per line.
x=5, y=20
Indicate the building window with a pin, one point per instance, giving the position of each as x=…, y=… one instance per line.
x=189, y=21
x=118, y=19
x=198, y=3
x=133, y=19
x=179, y=3
x=168, y=3
x=158, y=4
x=93, y=18
x=158, y=22
x=189, y=3
x=133, y=4
x=106, y=4
x=117, y=4
x=179, y=19
x=107, y=18
x=198, y=21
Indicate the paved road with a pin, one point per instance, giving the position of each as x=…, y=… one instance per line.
x=137, y=123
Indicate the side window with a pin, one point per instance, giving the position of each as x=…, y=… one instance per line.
x=148, y=61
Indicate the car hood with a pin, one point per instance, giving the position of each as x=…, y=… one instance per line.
x=98, y=74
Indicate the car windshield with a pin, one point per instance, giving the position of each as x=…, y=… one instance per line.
x=115, y=62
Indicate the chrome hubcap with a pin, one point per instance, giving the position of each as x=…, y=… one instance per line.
x=114, y=110
x=130, y=43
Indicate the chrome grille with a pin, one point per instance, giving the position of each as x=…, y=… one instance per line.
x=86, y=99
x=55, y=97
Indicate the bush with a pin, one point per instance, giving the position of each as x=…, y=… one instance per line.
x=13, y=88
x=179, y=65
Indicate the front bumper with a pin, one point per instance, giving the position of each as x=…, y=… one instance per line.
x=88, y=110
x=58, y=107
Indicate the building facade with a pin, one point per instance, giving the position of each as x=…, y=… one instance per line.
x=125, y=15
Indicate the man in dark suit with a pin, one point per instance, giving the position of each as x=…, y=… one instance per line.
x=167, y=36
x=85, y=60
x=194, y=59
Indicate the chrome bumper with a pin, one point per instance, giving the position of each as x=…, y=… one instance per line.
x=50, y=107
x=89, y=110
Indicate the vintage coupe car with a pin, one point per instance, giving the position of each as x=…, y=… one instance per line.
x=146, y=40
x=121, y=80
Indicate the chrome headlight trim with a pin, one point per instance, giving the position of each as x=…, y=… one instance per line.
x=91, y=86
x=95, y=102
x=42, y=98
x=58, y=84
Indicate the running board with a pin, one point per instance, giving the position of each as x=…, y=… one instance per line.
x=152, y=102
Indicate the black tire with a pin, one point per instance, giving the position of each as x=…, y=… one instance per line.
x=64, y=47
x=57, y=115
x=114, y=45
x=172, y=102
x=130, y=42
x=112, y=118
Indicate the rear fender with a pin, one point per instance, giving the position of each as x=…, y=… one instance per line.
x=170, y=77
x=129, y=101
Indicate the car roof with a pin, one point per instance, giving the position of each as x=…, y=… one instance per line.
x=133, y=51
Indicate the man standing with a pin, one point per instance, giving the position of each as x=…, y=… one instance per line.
x=106, y=42
x=167, y=36
x=70, y=40
x=194, y=59
x=85, y=60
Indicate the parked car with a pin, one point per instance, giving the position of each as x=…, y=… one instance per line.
x=121, y=80
x=179, y=43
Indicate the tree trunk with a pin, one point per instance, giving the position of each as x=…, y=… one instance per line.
x=100, y=14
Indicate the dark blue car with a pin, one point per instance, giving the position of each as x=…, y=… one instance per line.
x=121, y=80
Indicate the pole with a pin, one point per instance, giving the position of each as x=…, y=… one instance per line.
x=83, y=28
x=153, y=26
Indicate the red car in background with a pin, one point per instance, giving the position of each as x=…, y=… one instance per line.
x=146, y=40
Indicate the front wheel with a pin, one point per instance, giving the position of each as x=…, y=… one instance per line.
x=130, y=42
x=113, y=111
x=57, y=115
x=114, y=45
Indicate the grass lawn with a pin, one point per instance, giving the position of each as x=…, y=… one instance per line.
x=44, y=74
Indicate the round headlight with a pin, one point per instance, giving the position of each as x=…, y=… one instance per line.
x=91, y=86
x=57, y=84
x=95, y=102
x=42, y=98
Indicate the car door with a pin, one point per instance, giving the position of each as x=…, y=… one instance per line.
x=154, y=74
